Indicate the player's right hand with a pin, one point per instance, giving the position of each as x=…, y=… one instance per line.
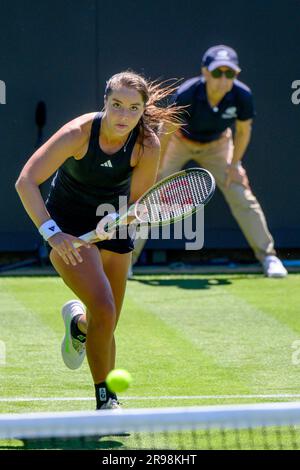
x=64, y=245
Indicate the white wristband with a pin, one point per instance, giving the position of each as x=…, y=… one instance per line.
x=48, y=229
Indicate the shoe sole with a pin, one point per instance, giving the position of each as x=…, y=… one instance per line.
x=66, y=342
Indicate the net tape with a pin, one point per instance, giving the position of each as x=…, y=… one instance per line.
x=79, y=424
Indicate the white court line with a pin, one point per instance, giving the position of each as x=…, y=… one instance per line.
x=194, y=397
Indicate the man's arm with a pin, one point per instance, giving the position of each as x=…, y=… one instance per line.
x=241, y=140
x=235, y=172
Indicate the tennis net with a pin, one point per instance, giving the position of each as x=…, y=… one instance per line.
x=255, y=426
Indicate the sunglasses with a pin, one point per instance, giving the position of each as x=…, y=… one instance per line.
x=217, y=73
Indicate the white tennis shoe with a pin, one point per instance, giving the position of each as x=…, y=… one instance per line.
x=111, y=404
x=72, y=350
x=273, y=267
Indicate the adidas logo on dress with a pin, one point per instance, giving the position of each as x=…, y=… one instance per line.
x=108, y=164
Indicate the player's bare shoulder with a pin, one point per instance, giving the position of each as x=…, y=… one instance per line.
x=151, y=146
x=80, y=126
x=79, y=131
x=151, y=141
x=147, y=146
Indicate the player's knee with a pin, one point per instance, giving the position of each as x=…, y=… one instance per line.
x=103, y=315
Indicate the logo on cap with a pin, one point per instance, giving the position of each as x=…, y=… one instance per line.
x=222, y=55
x=218, y=54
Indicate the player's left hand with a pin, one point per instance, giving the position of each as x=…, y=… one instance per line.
x=236, y=175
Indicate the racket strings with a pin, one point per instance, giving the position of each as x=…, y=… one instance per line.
x=177, y=196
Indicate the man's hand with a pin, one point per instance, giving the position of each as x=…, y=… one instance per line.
x=236, y=174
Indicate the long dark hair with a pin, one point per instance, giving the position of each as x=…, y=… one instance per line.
x=155, y=95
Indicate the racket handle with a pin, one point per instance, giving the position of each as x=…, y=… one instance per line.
x=92, y=237
x=89, y=237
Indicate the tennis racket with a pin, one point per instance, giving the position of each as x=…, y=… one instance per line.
x=172, y=199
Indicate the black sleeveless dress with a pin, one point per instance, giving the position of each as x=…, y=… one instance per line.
x=83, y=191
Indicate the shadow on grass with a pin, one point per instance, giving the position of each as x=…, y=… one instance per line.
x=189, y=284
x=193, y=281
x=93, y=443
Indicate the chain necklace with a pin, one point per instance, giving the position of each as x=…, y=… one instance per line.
x=127, y=141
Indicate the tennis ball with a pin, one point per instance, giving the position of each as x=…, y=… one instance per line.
x=118, y=380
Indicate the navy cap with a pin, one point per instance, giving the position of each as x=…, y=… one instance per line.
x=219, y=56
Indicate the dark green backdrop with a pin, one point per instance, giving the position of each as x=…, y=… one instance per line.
x=62, y=52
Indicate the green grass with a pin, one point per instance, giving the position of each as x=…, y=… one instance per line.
x=178, y=336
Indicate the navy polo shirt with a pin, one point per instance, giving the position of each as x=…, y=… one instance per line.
x=204, y=123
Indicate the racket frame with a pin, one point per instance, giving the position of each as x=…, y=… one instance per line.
x=93, y=237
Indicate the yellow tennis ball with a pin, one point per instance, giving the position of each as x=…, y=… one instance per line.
x=118, y=380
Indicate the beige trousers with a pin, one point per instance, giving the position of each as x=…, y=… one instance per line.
x=214, y=157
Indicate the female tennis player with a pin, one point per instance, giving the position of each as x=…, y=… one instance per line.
x=97, y=158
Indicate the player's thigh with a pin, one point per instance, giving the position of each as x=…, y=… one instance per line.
x=116, y=267
x=87, y=279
